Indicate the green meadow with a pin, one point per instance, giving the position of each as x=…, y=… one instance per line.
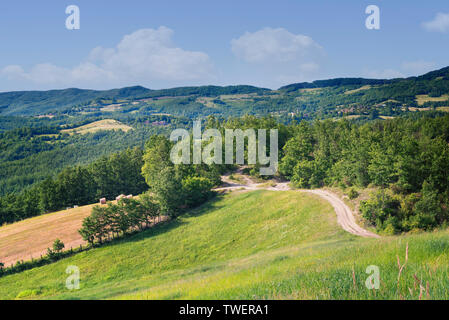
x=251, y=245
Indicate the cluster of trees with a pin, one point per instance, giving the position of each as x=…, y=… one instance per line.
x=172, y=189
x=177, y=186
x=116, y=220
x=107, y=177
x=407, y=159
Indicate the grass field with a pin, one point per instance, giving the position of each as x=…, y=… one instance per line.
x=252, y=245
x=421, y=99
x=367, y=87
x=106, y=124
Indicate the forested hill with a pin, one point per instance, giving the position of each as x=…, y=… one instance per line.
x=434, y=75
x=41, y=102
x=319, y=99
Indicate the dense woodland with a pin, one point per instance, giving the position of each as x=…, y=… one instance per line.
x=407, y=161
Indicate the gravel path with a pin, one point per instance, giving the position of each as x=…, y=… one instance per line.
x=345, y=216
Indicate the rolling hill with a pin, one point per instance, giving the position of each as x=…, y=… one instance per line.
x=310, y=99
x=254, y=245
x=40, y=102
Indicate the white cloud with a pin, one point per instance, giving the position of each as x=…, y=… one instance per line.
x=439, y=24
x=279, y=55
x=143, y=57
x=273, y=45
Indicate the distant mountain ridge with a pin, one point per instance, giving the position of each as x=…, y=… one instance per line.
x=361, y=81
x=42, y=102
x=39, y=102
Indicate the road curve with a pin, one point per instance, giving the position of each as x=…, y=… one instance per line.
x=345, y=216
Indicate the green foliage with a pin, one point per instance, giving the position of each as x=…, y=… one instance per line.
x=196, y=190
x=58, y=246
x=353, y=194
x=107, y=177
x=115, y=220
x=55, y=252
x=381, y=210
x=176, y=187
x=407, y=156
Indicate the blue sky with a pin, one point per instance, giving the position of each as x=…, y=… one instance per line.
x=160, y=44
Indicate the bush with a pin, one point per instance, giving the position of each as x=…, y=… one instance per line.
x=381, y=210
x=196, y=190
x=353, y=194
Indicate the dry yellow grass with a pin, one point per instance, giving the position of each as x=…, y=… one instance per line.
x=106, y=124
x=413, y=109
x=423, y=98
x=111, y=107
x=310, y=90
x=359, y=89
x=30, y=238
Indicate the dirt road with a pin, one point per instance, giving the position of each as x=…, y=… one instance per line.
x=345, y=216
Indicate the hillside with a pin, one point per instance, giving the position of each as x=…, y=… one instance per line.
x=246, y=246
x=41, y=102
x=322, y=98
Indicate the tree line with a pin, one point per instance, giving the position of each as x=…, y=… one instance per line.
x=108, y=177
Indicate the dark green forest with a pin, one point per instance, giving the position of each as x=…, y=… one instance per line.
x=407, y=160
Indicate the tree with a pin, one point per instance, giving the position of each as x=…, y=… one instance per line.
x=87, y=230
x=196, y=190
x=55, y=252
x=156, y=158
x=58, y=246
x=167, y=189
x=150, y=207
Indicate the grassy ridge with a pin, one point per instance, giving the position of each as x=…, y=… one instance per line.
x=251, y=245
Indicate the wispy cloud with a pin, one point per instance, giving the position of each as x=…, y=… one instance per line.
x=273, y=45
x=142, y=57
x=283, y=56
x=439, y=24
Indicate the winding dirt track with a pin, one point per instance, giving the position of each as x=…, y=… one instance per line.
x=345, y=216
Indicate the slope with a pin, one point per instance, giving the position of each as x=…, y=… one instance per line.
x=250, y=245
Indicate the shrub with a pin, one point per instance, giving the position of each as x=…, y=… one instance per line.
x=196, y=190
x=353, y=194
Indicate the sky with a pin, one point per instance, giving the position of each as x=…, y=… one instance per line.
x=164, y=44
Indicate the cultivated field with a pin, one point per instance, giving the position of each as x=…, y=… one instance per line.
x=421, y=99
x=106, y=124
x=30, y=238
x=358, y=90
